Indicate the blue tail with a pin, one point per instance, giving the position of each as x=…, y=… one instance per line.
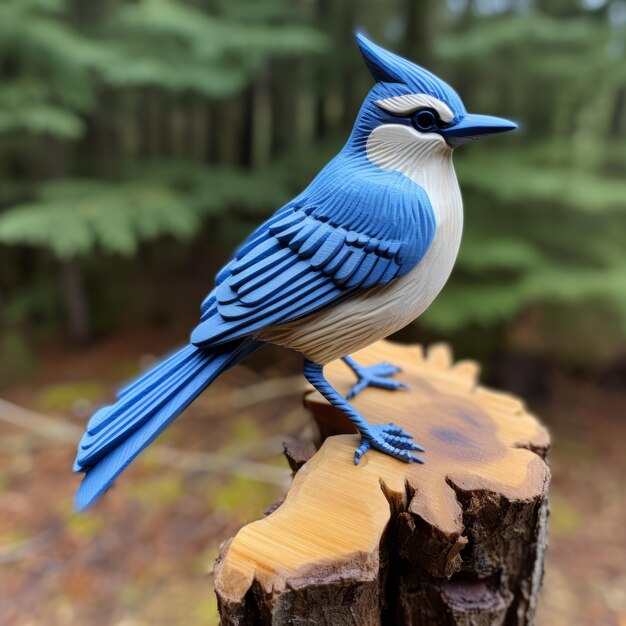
x=116, y=434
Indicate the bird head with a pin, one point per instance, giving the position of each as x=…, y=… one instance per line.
x=407, y=95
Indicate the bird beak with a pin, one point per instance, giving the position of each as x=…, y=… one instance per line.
x=473, y=127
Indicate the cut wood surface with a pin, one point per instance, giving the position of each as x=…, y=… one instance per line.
x=458, y=540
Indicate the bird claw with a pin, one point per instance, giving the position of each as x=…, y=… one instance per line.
x=361, y=450
x=391, y=440
x=375, y=376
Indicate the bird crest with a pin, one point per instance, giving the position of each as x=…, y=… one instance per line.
x=397, y=76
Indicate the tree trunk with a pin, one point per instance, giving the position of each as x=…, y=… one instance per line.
x=458, y=541
x=419, y=31
x=75, y=302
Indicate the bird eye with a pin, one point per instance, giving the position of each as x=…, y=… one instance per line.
x=425, y=120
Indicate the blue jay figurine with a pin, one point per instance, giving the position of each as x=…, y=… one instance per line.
x=359, y=254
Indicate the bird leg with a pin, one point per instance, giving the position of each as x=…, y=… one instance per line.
x=378, y=375
x=387, y=438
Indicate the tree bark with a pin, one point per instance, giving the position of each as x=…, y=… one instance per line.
x=458, y=541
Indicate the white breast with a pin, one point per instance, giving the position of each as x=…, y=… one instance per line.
x=381, y=311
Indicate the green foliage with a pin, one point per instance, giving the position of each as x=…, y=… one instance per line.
x=26, y=106
x=172, y=45
x=214, y=190
x=512, y=177
x=48, y=64
x=59, y=61
x=531, y=32
x=74, y=217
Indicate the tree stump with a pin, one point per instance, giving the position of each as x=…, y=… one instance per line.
x=457, y=541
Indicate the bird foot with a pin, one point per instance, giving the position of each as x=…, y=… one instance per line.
x=391, y=440
x=378, y=376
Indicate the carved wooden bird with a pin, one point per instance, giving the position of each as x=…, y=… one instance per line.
x=359, y=254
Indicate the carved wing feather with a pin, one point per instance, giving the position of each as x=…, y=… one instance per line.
x=302, y=261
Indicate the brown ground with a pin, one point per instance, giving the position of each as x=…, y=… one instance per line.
x=143, y=555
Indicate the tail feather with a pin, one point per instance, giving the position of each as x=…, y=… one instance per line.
x=160, y=370
x=133, y=410
x=117, y=434
x=144, y=383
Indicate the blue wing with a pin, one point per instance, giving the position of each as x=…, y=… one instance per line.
x=331, y=242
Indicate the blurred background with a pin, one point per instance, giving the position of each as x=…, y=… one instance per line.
x=140, y=140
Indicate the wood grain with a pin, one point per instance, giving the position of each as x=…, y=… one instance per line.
x=387, y=542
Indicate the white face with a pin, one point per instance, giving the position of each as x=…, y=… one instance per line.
x=424, y=157
x=401, y=147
